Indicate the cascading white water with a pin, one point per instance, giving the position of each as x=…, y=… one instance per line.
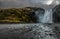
x=47, y=17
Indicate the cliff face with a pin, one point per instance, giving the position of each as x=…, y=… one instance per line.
x=27, y=14
x=56, y=14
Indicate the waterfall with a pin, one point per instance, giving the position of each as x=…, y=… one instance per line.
x=47, y=17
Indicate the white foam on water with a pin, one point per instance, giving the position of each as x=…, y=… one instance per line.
x=47, y=16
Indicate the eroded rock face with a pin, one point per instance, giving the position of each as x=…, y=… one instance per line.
x=21, y=15
x=56, y=14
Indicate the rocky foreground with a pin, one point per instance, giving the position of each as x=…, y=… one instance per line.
x=34, y=31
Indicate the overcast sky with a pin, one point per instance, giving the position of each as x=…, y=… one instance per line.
x=23, y=3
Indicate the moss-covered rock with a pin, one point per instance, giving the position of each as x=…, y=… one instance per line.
x=20, y=15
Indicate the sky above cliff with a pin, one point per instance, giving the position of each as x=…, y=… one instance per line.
x=24, y=3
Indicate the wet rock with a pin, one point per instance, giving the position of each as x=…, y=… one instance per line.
x=56, y=14
x=30, y=32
